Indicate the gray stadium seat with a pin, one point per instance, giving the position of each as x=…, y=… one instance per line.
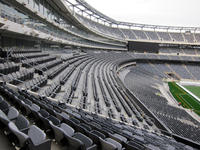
x=38, y=139
x=4, y=106
x=59, y=131
x=12, y=113
x=117, y=144
x=87, y=141
x=32, y=138
x=22, y=137
x=3, y=118
x=106, y=145
x=118, y=138
x=21, y=122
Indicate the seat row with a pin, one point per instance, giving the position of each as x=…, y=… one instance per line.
x=106, y=100
x=69, y=71
x=19, y=76
x=16, y=50
x=67, y=58
x=52, y=73
x=118, y=98
x=129, y=106
x=121, y=95
x=35, y=83
x=75, y=133
x=64, y=127
x=35, y=61
x=45, y=66
x=54, y=88
x=78, y=129
x=74, y=84
x=18, y=57
x=18, y=128
x=118, y=108
x=8, y=67
x=122, y=138
x=66, y=74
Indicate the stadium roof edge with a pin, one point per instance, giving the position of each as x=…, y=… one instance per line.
x=91, y=11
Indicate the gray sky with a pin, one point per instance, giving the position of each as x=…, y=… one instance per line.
x=157, y=12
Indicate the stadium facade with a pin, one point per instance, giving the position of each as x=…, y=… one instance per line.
x=71, y=77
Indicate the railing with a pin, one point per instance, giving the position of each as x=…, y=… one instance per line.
x=12, y=17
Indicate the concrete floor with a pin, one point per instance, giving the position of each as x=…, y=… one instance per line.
x=5, y=144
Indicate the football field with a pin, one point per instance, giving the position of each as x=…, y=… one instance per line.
x=194, y=89
x=184, y=98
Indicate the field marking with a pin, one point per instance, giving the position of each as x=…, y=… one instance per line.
x=197, y=98
x=183, y=100
x=189, y=94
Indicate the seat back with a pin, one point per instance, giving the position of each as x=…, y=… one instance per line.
x=86, y=140
x=44, y=113
x=21, y=122
x=99, y=134
x=4, y=106
x=118, y=138
x=3, y=118
x=54, y=120
x=64, y=115
x=117, y=144
x=67, y=129
x=87, y=127
x=28, y=102
x=75, y=120
x=35, y=107
x=135, y=145
x=74, y=143
x=1, y=99
x=58, y=132
x=94, y=137
x=12, y=113
x=36, y=135
x=105, y=145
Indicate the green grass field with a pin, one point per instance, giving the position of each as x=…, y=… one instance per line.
x=187, y=100
x=194, y=89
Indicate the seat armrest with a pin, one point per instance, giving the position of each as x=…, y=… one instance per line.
x=93, y=147
x=25, y=130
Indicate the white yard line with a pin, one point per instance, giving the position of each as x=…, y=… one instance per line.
x=193, y=95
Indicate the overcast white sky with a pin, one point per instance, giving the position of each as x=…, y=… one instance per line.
x=158, y=12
